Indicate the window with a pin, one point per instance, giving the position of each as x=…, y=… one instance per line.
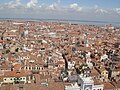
x=37, y=68
x=17, y=72
x=42, y=48
x=44, y=84
x=56, y=65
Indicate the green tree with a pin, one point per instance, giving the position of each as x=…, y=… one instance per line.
x=7, y=51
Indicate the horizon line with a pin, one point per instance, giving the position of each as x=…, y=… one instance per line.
x=73, y=20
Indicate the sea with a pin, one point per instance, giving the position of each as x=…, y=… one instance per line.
x=86, y=22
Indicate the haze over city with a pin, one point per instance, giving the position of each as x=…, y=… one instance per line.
x=103, y=10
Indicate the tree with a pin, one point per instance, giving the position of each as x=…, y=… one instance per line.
x=82, y=67
x=17, y=49
x=7, y=51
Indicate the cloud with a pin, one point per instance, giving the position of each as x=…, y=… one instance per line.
x=53, y=7
x=35, y=10
x=18, y=1
x=101, y=11
x=117, y=10
x=32, y=3
x=75, y=7
x=13, y=4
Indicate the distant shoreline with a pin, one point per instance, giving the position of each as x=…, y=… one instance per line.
x=88, y=22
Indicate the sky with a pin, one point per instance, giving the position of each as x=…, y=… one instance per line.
x=99, y=10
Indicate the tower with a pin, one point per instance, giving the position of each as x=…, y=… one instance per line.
x=87, y=83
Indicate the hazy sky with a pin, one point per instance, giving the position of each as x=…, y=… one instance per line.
x=107, y=10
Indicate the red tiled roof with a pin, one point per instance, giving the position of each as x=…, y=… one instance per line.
x=108, y=85
x=20, y=73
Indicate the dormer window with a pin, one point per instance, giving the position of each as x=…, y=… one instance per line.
x=56, y=65
x=17, y=72
x=42, y=48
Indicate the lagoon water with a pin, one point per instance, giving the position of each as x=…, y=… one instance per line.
x=88, y=22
